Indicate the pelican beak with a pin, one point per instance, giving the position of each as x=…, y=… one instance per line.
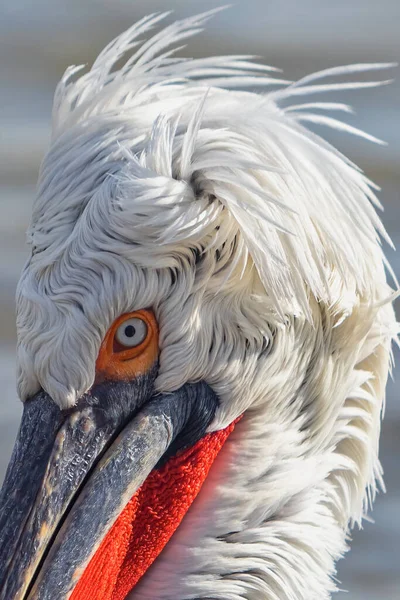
x=73, y=472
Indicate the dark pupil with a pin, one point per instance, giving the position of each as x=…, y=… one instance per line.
x=130, y=331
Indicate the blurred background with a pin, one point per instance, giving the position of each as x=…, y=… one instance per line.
x=39, y=39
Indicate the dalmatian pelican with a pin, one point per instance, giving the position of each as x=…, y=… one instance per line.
x=204, y=336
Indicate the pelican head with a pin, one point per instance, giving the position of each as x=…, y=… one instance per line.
x=204, y=332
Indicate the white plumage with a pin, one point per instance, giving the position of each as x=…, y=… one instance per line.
x=258, y=245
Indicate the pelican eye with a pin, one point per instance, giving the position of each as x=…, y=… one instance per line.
x=129, y=348
x=131, y=332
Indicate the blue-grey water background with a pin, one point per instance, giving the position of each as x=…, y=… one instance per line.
x=39, y=39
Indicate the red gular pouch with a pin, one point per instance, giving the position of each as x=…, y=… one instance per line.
x=148, y=521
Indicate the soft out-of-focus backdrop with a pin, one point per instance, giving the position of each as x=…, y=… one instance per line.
x=39, y=39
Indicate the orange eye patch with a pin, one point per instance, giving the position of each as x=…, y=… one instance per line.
x=130, y=347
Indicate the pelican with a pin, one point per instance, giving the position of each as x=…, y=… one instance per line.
x=204, y=336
